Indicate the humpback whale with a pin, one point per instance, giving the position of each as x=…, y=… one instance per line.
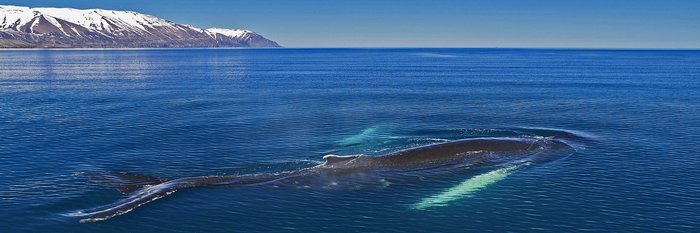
x=501, y=153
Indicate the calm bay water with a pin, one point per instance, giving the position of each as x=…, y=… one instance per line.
x=177, y=113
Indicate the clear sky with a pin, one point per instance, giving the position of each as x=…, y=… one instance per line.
x=436, y=23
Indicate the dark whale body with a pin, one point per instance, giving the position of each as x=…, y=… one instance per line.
x=469, y=153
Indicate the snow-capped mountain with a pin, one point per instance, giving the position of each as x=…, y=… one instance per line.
x=97, y=28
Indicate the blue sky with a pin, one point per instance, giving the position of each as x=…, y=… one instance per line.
x=437, y=23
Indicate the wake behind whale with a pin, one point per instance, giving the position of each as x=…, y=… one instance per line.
x=503, y=154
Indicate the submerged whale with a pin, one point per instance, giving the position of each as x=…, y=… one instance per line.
x=497, y=152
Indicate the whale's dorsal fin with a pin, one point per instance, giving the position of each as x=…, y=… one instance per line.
x=330, y=159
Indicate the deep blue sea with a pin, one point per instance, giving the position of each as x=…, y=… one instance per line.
x=191, y=112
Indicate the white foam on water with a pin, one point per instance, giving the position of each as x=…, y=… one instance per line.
x=466, y=188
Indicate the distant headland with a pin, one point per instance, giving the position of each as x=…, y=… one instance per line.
x=24, y=27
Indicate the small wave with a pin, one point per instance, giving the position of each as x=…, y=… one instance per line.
x=435, y=55
x=78, y=213
x=435, y=139
x=573, y=137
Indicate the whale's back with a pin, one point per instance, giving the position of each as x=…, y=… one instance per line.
x=466, y=152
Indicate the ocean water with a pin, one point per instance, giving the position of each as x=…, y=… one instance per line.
x=180, y=113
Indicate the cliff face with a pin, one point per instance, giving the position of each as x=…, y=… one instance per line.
x=22, y=27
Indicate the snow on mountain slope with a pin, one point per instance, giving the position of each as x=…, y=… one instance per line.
x=235, y=33
x=67, y=27
x=13, y=16
x=97, y=19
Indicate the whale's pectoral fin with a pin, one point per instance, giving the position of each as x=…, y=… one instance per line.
x=467, y=188
x=122, y=181
x=330, y=159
